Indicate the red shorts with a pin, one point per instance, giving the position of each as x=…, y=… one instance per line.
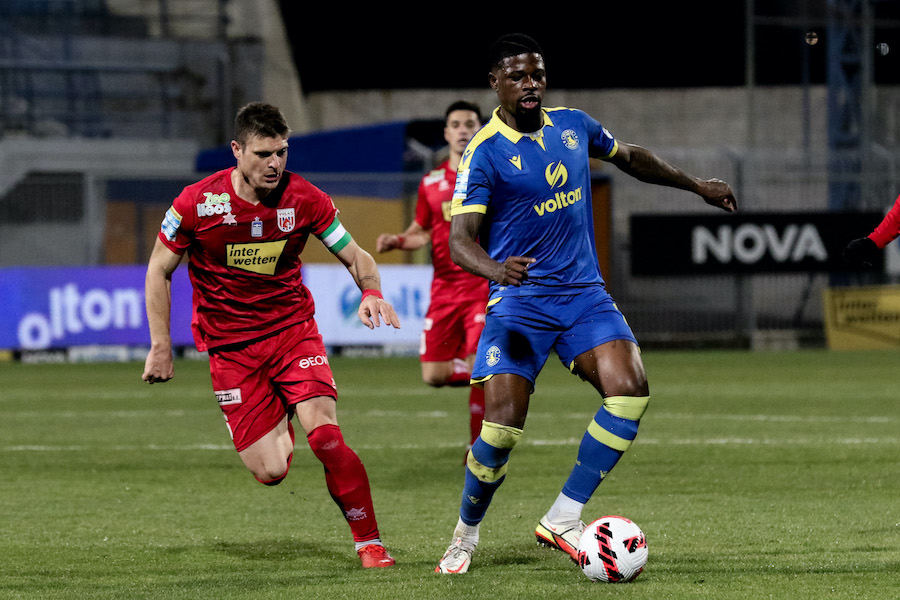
x=258, y=383
x=451, y=329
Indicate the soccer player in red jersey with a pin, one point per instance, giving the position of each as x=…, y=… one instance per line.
x=244, y=229
x=455, y=314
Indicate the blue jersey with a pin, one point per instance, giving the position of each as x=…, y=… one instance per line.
x=534, y=191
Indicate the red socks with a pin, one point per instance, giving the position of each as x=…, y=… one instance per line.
x=346, y=479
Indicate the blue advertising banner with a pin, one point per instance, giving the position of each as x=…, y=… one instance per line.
x=63, y=307
x=60, y=307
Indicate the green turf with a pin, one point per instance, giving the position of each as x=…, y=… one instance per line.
x=755, y=475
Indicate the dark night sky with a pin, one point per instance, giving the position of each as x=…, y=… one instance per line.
x=608, y=45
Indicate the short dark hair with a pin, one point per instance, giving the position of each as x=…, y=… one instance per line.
x=259, y=118
x=462, y=105
x=511, y=44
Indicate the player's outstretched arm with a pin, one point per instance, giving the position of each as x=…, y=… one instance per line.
x=158, y=367
x=646, y=166
x=362, y=267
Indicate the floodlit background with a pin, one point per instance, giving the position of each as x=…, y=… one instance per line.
x=766, y=466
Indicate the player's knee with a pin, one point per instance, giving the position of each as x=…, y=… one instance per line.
x=632, y=384
x=269, y=478
x=272, y=474
x=271, y=481
x=434, y=379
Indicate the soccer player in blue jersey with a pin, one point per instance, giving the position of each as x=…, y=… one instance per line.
x=521, y=218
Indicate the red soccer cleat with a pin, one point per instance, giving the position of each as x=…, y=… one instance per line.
x=375, y=556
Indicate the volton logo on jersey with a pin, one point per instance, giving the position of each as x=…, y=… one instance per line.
x=556, y=175
x=286, y=219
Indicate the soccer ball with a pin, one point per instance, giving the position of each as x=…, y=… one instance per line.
x=612, y=549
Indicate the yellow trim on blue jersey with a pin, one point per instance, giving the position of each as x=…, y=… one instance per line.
x=492, y=127
x=510, y=133
x=479, y=382
x=614, y=150
x=456, y=208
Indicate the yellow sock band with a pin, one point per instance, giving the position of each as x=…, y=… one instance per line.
x=608, y=439
x=499, y=436
x=626, y=407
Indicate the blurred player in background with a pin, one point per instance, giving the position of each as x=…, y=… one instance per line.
x=863, y=252
x=244, y=229
x=522, y=218
x=456, y=312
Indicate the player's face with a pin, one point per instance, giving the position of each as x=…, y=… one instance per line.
x=520, y=82
x=461, y=126
x=261, y=160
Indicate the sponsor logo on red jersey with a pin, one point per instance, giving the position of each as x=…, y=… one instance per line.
x=228, y=397
x=312, y=361
x=260, y=257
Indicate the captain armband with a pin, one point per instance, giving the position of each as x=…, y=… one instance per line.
x=335, y=237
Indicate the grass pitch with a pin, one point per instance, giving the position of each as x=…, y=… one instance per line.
x=754, y=475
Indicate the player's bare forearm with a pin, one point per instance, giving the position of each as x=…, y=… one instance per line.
x=646, y=166
x=362, y=267
x=466, y=252
x=158, y=366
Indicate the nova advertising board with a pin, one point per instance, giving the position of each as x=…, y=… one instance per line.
x=744, y=242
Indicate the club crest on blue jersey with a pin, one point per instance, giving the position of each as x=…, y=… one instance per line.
x=570, y=139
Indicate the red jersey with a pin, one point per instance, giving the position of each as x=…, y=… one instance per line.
x=433, y=213
x=889, y=228
x=244, y=259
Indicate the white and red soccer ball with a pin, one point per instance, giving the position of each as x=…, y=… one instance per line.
x=612, y=549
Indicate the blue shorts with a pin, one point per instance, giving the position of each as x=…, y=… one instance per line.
x=520, y=331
